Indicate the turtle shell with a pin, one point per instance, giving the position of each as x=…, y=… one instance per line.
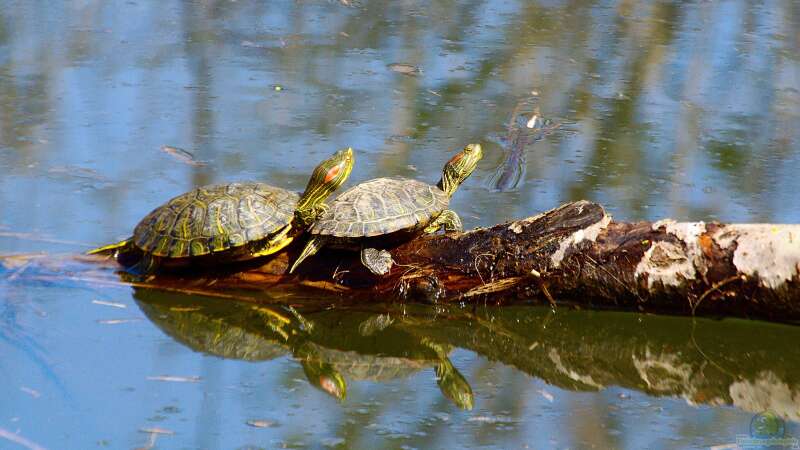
x=371, y=367
x=381, y=206
x=215, y=218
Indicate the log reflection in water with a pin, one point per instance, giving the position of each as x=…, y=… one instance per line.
x=753, y=366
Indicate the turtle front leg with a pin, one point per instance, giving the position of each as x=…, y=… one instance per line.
x=274, y=244
x=377, y=261
x=147, y=265
x=312, y=247
x=448, y=221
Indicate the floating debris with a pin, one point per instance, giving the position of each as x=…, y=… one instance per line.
x=332, y=442
x=547, y=396
x=257, y=423
x=405, y=69
x=176, y=379
x=251, y=44
x=277, y=88
x=498, y=419
x=17, y=439
x=117, y=321
x=32, y=392
x=182, y=155
x=156, y=430
x=105, y=303
x=153, y=436
x=78, y=172
x=731, y=446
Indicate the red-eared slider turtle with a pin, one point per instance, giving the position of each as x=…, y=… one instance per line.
x=382, y=210
x=233, y=222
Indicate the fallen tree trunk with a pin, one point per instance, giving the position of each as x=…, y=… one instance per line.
x=574, y=254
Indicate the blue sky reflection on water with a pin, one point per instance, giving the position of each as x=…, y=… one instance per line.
x=683, y=110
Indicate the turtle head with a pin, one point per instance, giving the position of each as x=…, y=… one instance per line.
x=325, y=377
x=327, y=177
x=460, y=167
x=453, y=385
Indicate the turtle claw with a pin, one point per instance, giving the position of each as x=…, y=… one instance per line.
x=377, y=261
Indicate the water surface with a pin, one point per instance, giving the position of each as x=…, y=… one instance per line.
x=669, y=109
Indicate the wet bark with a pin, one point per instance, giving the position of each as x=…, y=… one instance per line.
x=571, y=255
x=576, y=254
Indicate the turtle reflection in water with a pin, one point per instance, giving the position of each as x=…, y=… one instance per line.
x=382, y=211
x=328, y=368
x=263, y=332
x=229, y=222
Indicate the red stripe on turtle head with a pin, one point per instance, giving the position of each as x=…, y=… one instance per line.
x=456, y=158
x=332, y=172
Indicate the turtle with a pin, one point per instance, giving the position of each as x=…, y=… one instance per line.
x=229, y=222
x=380, y=211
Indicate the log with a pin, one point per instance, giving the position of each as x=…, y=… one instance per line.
x=571, y=255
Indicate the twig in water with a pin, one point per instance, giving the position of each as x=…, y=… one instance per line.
x=714, y=287
x=177, y=379
x=104, y=303
x=543, y=286
x=117, y=321
x=156, y=430
x=182, y=155
x=475, y=265
x=17, y=439
x=32, y=392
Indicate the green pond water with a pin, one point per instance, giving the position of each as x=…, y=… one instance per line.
x=687, y=110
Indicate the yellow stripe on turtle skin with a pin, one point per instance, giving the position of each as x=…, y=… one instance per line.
x=269, y=312
x=107, y=248
x=276, y=243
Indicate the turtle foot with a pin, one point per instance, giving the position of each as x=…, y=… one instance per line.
x=377, y=261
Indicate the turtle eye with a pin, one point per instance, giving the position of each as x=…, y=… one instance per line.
x=332, y=173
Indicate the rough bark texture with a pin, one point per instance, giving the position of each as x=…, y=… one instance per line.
x=574, y=254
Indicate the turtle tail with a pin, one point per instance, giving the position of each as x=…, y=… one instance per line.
x=110, y=249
